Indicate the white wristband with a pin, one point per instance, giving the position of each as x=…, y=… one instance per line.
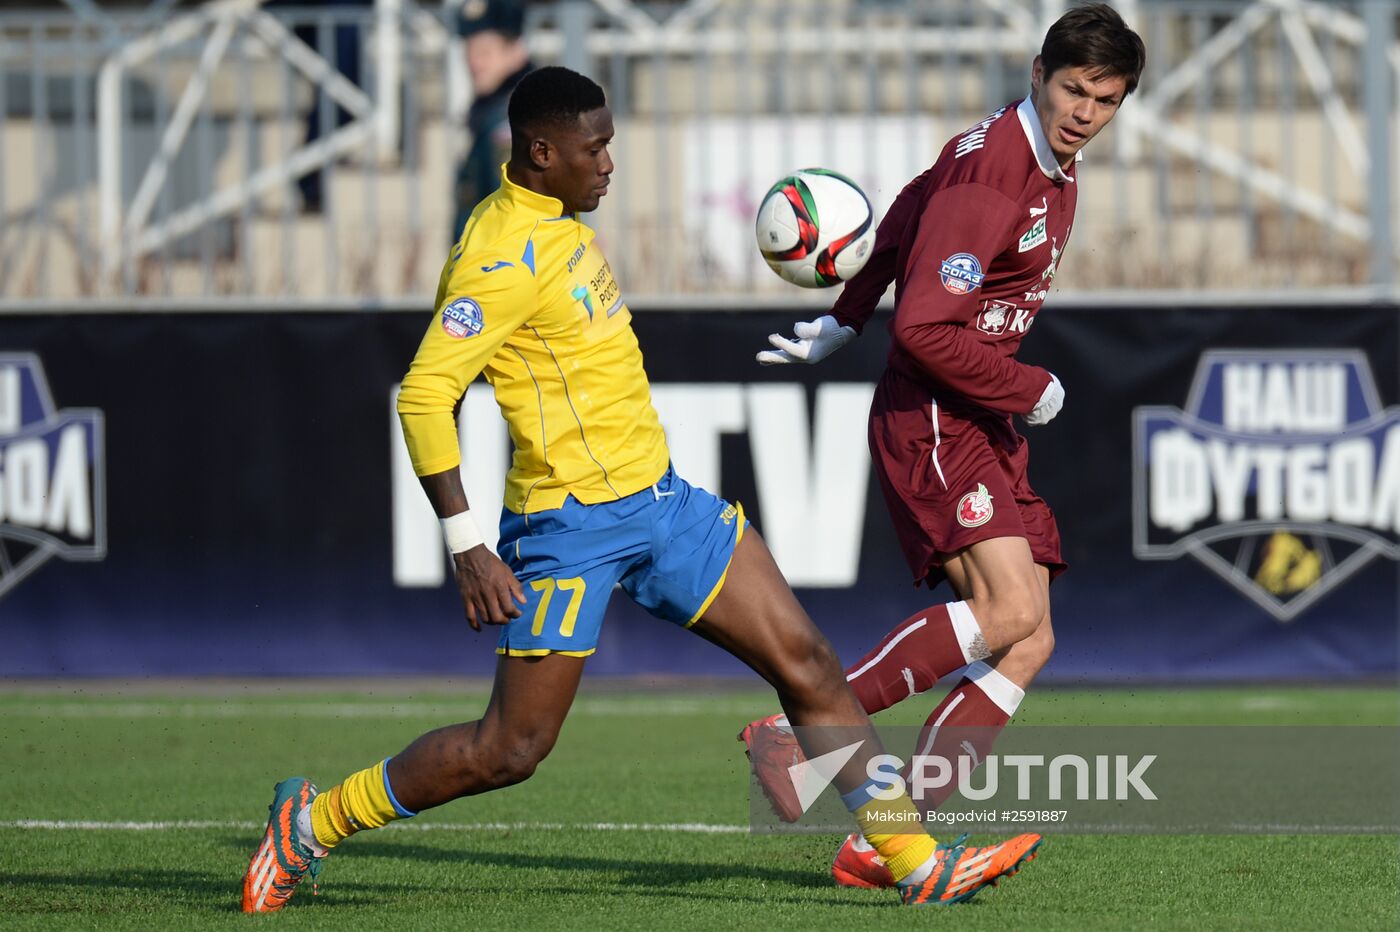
x=461, y=532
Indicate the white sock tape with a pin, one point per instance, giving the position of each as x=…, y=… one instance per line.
x=968, y=632
x=1006, y=694
x=460, y=532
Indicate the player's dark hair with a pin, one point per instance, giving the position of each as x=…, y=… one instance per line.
x=548, y=98
x=1094, y=36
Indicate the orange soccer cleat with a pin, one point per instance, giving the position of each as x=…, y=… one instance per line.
x=859, y=865
x=960, y=872
x=284, y=857
x=772, y=748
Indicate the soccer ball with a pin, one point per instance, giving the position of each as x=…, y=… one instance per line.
x=815, y=228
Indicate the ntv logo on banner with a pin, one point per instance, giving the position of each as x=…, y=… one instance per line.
x=799, y=452
x=1282, y=474
x=51, y=475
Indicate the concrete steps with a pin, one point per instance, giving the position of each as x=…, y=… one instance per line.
x=386, y=231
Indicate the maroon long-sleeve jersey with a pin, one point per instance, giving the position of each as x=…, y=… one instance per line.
x=971, y=245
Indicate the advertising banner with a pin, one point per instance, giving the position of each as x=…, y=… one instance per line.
x=220, y=493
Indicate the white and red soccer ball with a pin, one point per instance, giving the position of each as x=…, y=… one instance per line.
x=815, y=228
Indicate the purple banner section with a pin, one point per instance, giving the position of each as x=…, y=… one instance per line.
x=225, y=493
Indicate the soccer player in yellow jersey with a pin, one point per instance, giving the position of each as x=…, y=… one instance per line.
x=591, y=501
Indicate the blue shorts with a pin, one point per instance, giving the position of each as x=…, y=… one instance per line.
x=669, y=547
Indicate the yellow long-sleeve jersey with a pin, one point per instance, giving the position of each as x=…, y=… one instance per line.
x=528, y=299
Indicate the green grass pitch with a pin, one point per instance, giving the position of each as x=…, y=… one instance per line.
x=208, y=754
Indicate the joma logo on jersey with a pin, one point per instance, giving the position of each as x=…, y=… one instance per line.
x=51, y=475
x=577, y=257
x=1282, y=474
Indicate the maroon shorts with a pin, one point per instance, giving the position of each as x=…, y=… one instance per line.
x=952, y=478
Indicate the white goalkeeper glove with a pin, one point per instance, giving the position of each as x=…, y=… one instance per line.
x=1049, y=405
x=815, y=341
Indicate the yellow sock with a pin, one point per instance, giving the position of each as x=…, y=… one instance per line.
x=363, y=800
x=894, y=829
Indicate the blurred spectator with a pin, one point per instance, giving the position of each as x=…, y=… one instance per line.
x=497, y=59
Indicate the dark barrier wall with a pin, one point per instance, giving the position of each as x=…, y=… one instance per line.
x=219, y=493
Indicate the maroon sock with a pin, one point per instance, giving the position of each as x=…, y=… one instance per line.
x=965, y=724
x=912, y=657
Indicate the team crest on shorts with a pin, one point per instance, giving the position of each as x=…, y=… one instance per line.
x=975, y=508
x=961, y=273
x=463, y=318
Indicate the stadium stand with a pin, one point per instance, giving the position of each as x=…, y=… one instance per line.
x=155, y=149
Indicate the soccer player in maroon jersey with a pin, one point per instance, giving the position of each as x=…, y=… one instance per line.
x=971, y=245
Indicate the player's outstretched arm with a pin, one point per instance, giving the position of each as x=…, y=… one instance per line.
x=861, y=295
x=490, y=592
x=813, y=341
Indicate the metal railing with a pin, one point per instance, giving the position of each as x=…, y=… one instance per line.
x=235, y=151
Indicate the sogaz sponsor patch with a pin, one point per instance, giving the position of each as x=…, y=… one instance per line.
x=463, y=318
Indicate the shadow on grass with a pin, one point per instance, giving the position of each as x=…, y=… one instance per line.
x=566, y=872
x=561, y=874
x=114, y=891
x=663, y=873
